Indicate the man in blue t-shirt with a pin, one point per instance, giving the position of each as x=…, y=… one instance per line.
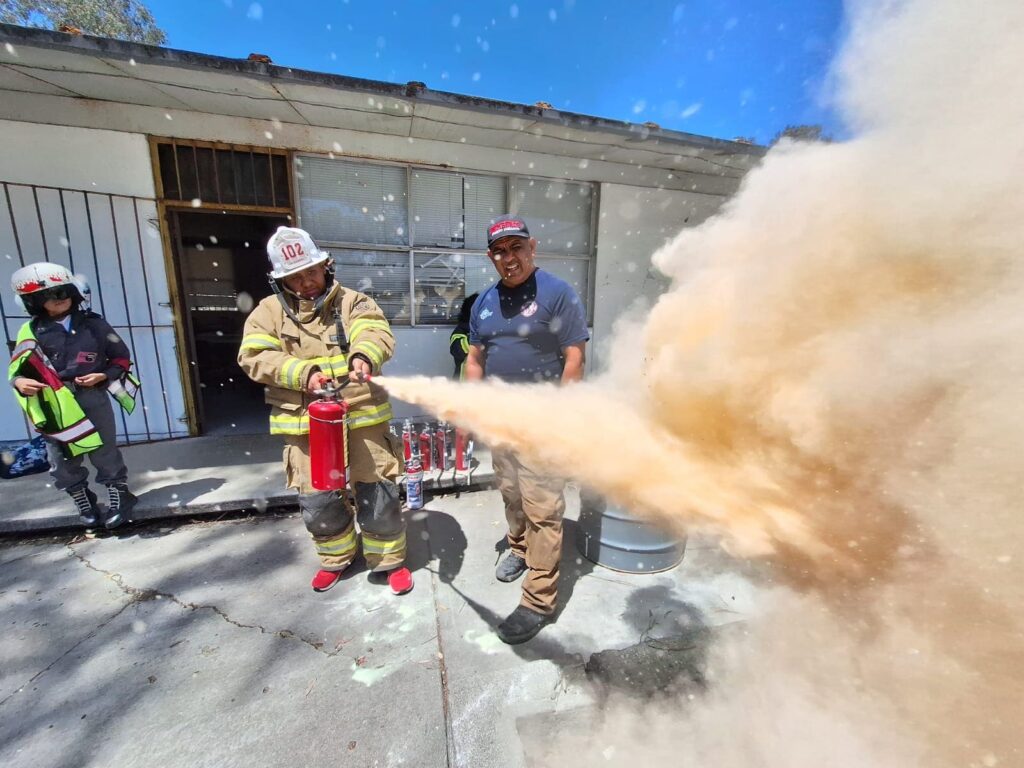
x=528, y=327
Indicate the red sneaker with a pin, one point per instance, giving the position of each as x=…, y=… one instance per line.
x=400, y=580
x=324, y=580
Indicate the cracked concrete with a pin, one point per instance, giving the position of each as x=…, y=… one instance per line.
x=191, y=645
x=141, y=595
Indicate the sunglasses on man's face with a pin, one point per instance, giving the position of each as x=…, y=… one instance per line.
x=59, y=293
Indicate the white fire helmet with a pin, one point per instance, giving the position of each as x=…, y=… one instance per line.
x=43, y=276
x=292, y=250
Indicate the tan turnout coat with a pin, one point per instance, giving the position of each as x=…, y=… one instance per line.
x=281, y=354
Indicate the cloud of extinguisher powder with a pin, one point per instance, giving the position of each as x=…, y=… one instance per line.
x=833, y=384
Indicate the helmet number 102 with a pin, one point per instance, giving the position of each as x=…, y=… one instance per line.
x=293, y=251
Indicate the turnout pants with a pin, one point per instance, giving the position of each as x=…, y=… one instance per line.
x=534, y=505
x=372, y=469
x=69, y=472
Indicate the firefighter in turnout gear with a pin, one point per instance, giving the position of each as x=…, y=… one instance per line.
x=66, y=362
x=310, y=331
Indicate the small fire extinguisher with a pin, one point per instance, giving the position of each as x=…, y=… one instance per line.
x=427, y=447
x=414, y=482
x=407, y=439
x=461, y=458
x=440, y=446
x=328, y=440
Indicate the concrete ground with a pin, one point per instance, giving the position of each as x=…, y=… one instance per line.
x=202, y=645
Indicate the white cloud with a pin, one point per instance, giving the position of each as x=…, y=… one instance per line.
x=691, y=110
x=255, y=12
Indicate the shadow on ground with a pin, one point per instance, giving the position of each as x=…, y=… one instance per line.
x=173, y=494
x=61, y=586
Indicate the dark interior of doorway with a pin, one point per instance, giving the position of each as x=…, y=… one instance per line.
x=223, y=269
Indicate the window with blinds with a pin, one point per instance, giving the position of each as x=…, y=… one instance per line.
x=558, y=213
x=344, y=202
x=425, y=231
x=452, y=210
x=480, y=273
x=381, y=275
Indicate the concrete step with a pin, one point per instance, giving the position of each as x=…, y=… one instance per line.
x=192, y=477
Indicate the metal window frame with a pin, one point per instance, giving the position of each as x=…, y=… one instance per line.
x=410, y=250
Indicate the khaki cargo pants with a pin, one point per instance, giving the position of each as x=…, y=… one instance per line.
x=372, y=469
x=534, y=506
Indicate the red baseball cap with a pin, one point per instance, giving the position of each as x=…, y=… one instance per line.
x=506, y=226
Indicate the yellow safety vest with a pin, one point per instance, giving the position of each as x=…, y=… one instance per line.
x=54, y=411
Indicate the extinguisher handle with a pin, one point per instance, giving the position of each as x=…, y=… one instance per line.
x=332, y=389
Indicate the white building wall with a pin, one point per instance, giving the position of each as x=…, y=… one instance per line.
x=84, y=199
x=113, y=162
x=632, y=224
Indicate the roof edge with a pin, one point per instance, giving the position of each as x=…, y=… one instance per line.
x=412, y=91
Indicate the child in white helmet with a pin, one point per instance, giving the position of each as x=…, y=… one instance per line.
x=66, y=361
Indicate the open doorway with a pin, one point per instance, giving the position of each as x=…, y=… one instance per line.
x=222, y=266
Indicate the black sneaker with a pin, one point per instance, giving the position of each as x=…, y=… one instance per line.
x=85, y=503
x=521, y=625
x=511, y=568
x=120, y=504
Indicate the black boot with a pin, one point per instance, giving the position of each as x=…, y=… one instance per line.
x=85, y=502
x=521, y=625
x=120, y=504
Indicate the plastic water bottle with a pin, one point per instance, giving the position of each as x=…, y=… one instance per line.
x=414, y=483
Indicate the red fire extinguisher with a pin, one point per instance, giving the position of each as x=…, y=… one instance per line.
x=328, y=440
x=461, y=463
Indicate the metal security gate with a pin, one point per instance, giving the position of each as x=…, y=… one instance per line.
x=115, y=242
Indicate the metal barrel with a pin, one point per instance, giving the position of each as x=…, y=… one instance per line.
x=610, y=536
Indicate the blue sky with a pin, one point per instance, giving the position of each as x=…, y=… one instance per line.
x=722, y=68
